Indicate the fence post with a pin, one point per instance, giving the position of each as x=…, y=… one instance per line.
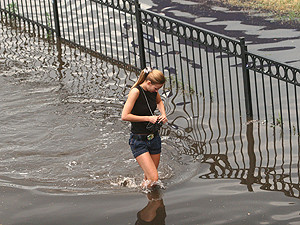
x=140, y=34
x=56, y=20
x=246, y=79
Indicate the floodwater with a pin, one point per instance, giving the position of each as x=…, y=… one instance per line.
x=65, y=157
x=61, y=127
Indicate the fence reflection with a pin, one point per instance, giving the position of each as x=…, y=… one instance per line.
x=254, y=152
x=198, y=61
x=205, y=94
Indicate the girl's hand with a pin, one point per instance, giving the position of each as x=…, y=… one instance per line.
x=153, y=119
x=162, y=118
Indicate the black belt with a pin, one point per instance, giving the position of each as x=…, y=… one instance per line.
x=144, y=137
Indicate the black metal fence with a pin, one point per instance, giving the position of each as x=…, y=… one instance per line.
x=195, y=60
x=215, y=85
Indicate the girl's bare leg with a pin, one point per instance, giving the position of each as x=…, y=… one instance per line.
x=149, y=166
x=156, y=159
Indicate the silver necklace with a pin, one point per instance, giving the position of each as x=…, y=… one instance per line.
x=147, y=101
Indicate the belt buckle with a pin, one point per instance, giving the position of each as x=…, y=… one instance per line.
x=150, y=137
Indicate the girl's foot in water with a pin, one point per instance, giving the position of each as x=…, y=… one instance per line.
x=148, y=185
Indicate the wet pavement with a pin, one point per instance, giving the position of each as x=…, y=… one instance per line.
x=264, y=35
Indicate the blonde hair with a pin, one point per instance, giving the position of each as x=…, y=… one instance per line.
x=155, y=76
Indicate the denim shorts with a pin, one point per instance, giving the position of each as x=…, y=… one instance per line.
x=139, y=146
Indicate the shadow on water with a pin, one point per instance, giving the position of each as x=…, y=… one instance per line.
x=62, y=131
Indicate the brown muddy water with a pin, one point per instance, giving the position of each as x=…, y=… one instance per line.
x=65, y=157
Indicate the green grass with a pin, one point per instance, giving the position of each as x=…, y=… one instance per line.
x=12, y=7
x=285, y=10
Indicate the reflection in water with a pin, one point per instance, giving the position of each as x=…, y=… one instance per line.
x=70, y=105
x=276, y=171
x=154, y=213
x=61, y=110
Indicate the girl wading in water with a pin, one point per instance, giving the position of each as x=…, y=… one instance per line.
x=139, y=109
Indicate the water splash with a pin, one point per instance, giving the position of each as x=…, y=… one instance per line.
x=147, y=186
x=61, y=125
x=125, y=182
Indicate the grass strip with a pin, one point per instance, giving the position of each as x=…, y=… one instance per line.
x=286, y=10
